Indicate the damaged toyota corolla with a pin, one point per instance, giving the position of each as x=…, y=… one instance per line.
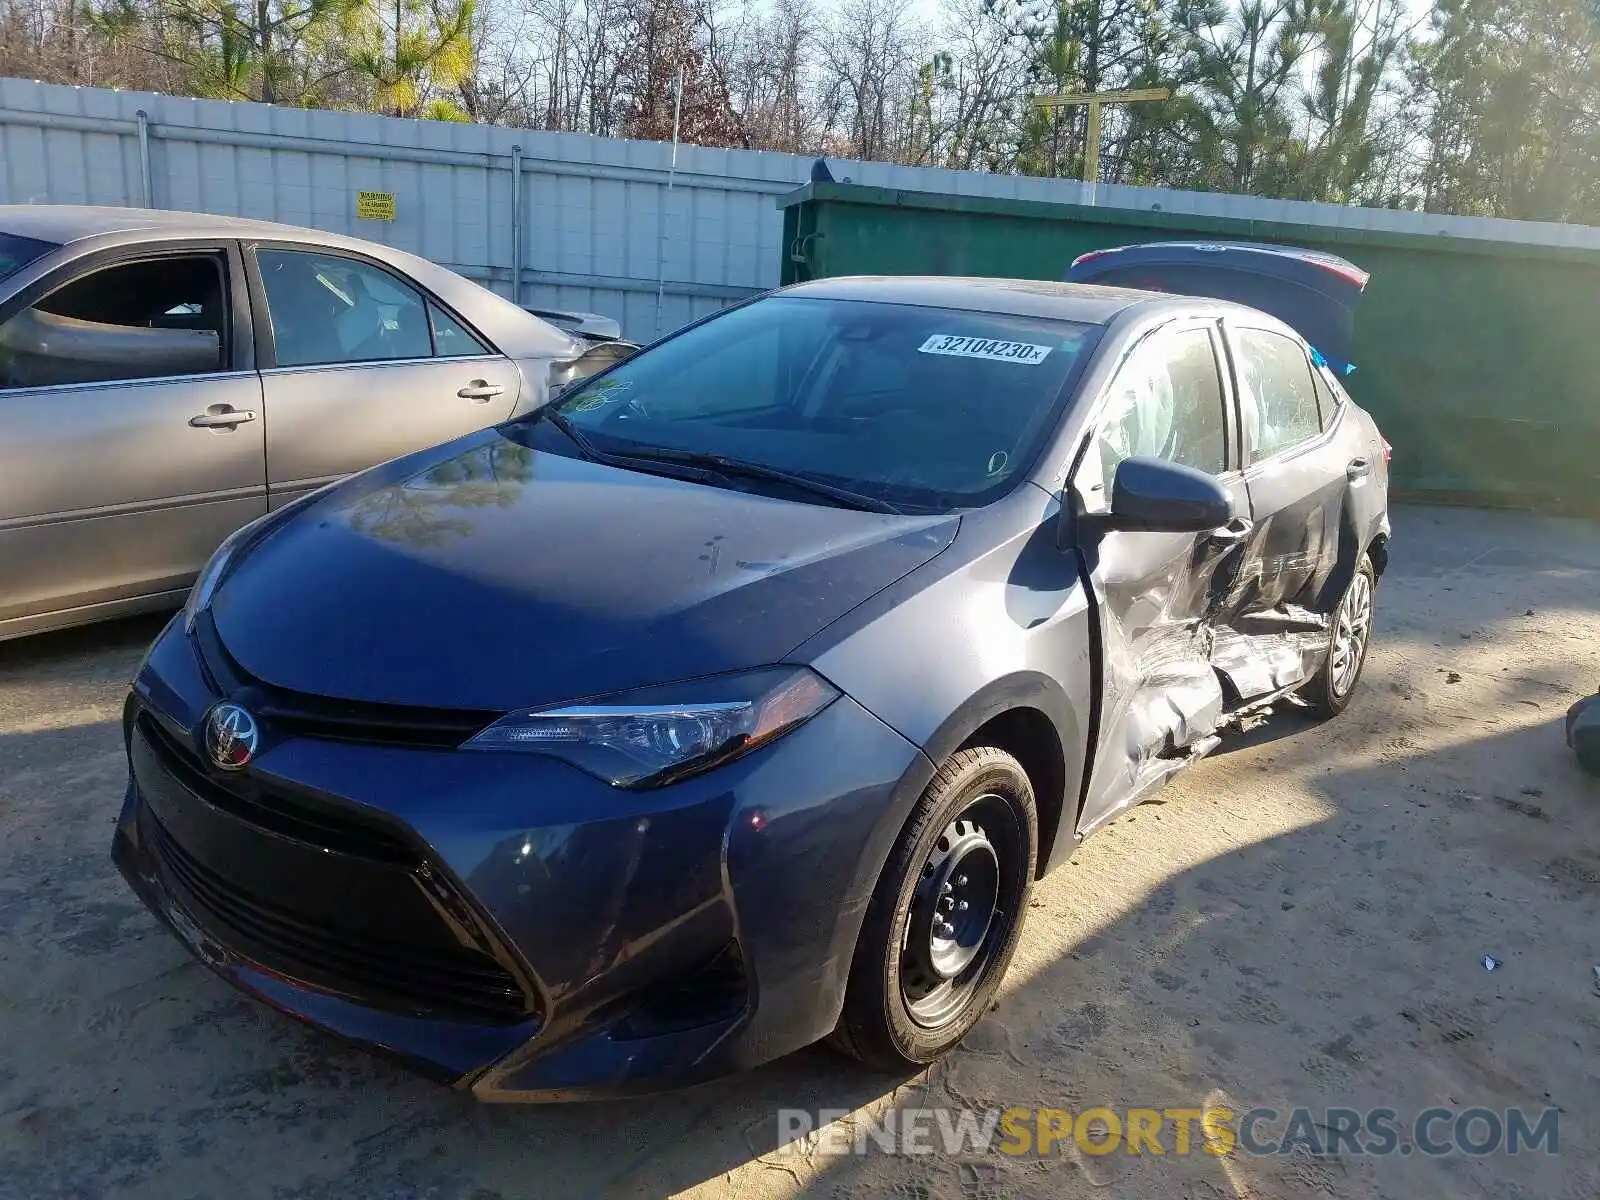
x=737, y=697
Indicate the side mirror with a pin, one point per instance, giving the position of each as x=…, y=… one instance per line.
x=1157, y=496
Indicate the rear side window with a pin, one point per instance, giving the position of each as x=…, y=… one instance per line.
x=451, y=338
x=1277, y=398
x=17, y=252
x=153, y=319
x=1328, y=393
x=328, y=310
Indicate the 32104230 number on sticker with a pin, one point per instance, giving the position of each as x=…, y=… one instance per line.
x=977, y=347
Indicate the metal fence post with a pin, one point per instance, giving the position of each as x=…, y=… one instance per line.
x=146, y=197
x=516, y=224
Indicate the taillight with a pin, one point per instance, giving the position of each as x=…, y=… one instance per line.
x=1346, y=271
x=1083, y=258
x=1388, y=450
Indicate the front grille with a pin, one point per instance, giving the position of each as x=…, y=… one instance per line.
x=277, y=808
x=305, y=715
x=386, y=974
x=311, y=888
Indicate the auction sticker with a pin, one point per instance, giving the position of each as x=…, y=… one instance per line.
x=977, y=347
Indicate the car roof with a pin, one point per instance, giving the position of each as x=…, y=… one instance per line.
x=1085, y=303
x=84, y=229
x=65, y=223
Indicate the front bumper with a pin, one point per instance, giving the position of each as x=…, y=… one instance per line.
x=504, y=922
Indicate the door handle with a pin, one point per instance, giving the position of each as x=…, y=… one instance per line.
x=1359, y=468
x=1234, y=532
x=226, y=419
x=480, y=390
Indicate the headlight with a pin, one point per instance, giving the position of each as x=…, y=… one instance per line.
x=658, y=735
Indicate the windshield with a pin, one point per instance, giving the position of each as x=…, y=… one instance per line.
x=928, y=407
x=17, y=252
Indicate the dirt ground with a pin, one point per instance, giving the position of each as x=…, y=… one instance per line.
x=1299, y=921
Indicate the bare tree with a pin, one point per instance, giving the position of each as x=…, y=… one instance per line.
x=871, y=60
x=500, y=90
x=773, y=78
x=990, y=86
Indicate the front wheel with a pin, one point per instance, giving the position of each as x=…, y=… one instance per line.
x=1331, y=687
x=944, y=920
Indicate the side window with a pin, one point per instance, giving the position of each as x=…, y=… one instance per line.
x=141, y=320
x=328, y=310
x=1276, y=394
x=1166, y=402
x=450, y=337
x=1327, y=396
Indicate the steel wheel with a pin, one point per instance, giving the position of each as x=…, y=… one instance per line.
x=956, y=906
x=945, y=915
x=1351, y=631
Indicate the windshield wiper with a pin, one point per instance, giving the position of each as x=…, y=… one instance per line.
x=723, y=465
x=660, y=466
x=561, y=422
x=701, y=464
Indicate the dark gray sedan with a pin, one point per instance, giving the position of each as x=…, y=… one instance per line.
x=168, y=377
x=739, y=695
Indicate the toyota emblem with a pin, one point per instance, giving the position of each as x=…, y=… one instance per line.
x=231, y=736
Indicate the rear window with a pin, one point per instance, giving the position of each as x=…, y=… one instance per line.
x=930, y=407
x=17, y=252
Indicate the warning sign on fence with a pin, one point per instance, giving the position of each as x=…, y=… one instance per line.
x=375, y=206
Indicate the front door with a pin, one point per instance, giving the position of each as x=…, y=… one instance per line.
x=363, y=367
x=130, y=432
x=1158, y=596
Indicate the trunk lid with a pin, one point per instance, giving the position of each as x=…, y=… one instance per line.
x=1310, y=290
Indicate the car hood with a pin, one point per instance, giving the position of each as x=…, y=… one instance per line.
x=487, y=575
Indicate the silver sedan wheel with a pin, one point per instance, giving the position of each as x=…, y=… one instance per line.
x=1351, y=631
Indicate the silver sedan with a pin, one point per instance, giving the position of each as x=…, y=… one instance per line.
x=168, y=377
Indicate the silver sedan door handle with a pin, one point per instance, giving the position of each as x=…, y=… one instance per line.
x=1233, y=532
x=227, y=418
x=480, y=390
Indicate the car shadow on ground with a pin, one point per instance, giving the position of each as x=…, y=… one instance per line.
x=64, y=649
x=1338, y=964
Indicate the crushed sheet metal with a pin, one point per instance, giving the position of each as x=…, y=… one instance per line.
x=1256, y=664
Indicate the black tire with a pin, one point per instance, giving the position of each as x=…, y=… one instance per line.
x=900, y=1011
x=1330, y=689
x=1583, y=732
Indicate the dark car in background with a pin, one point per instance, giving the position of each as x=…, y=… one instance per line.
x=737, y=697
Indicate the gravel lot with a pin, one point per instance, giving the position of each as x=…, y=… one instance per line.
x=1299, y=921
